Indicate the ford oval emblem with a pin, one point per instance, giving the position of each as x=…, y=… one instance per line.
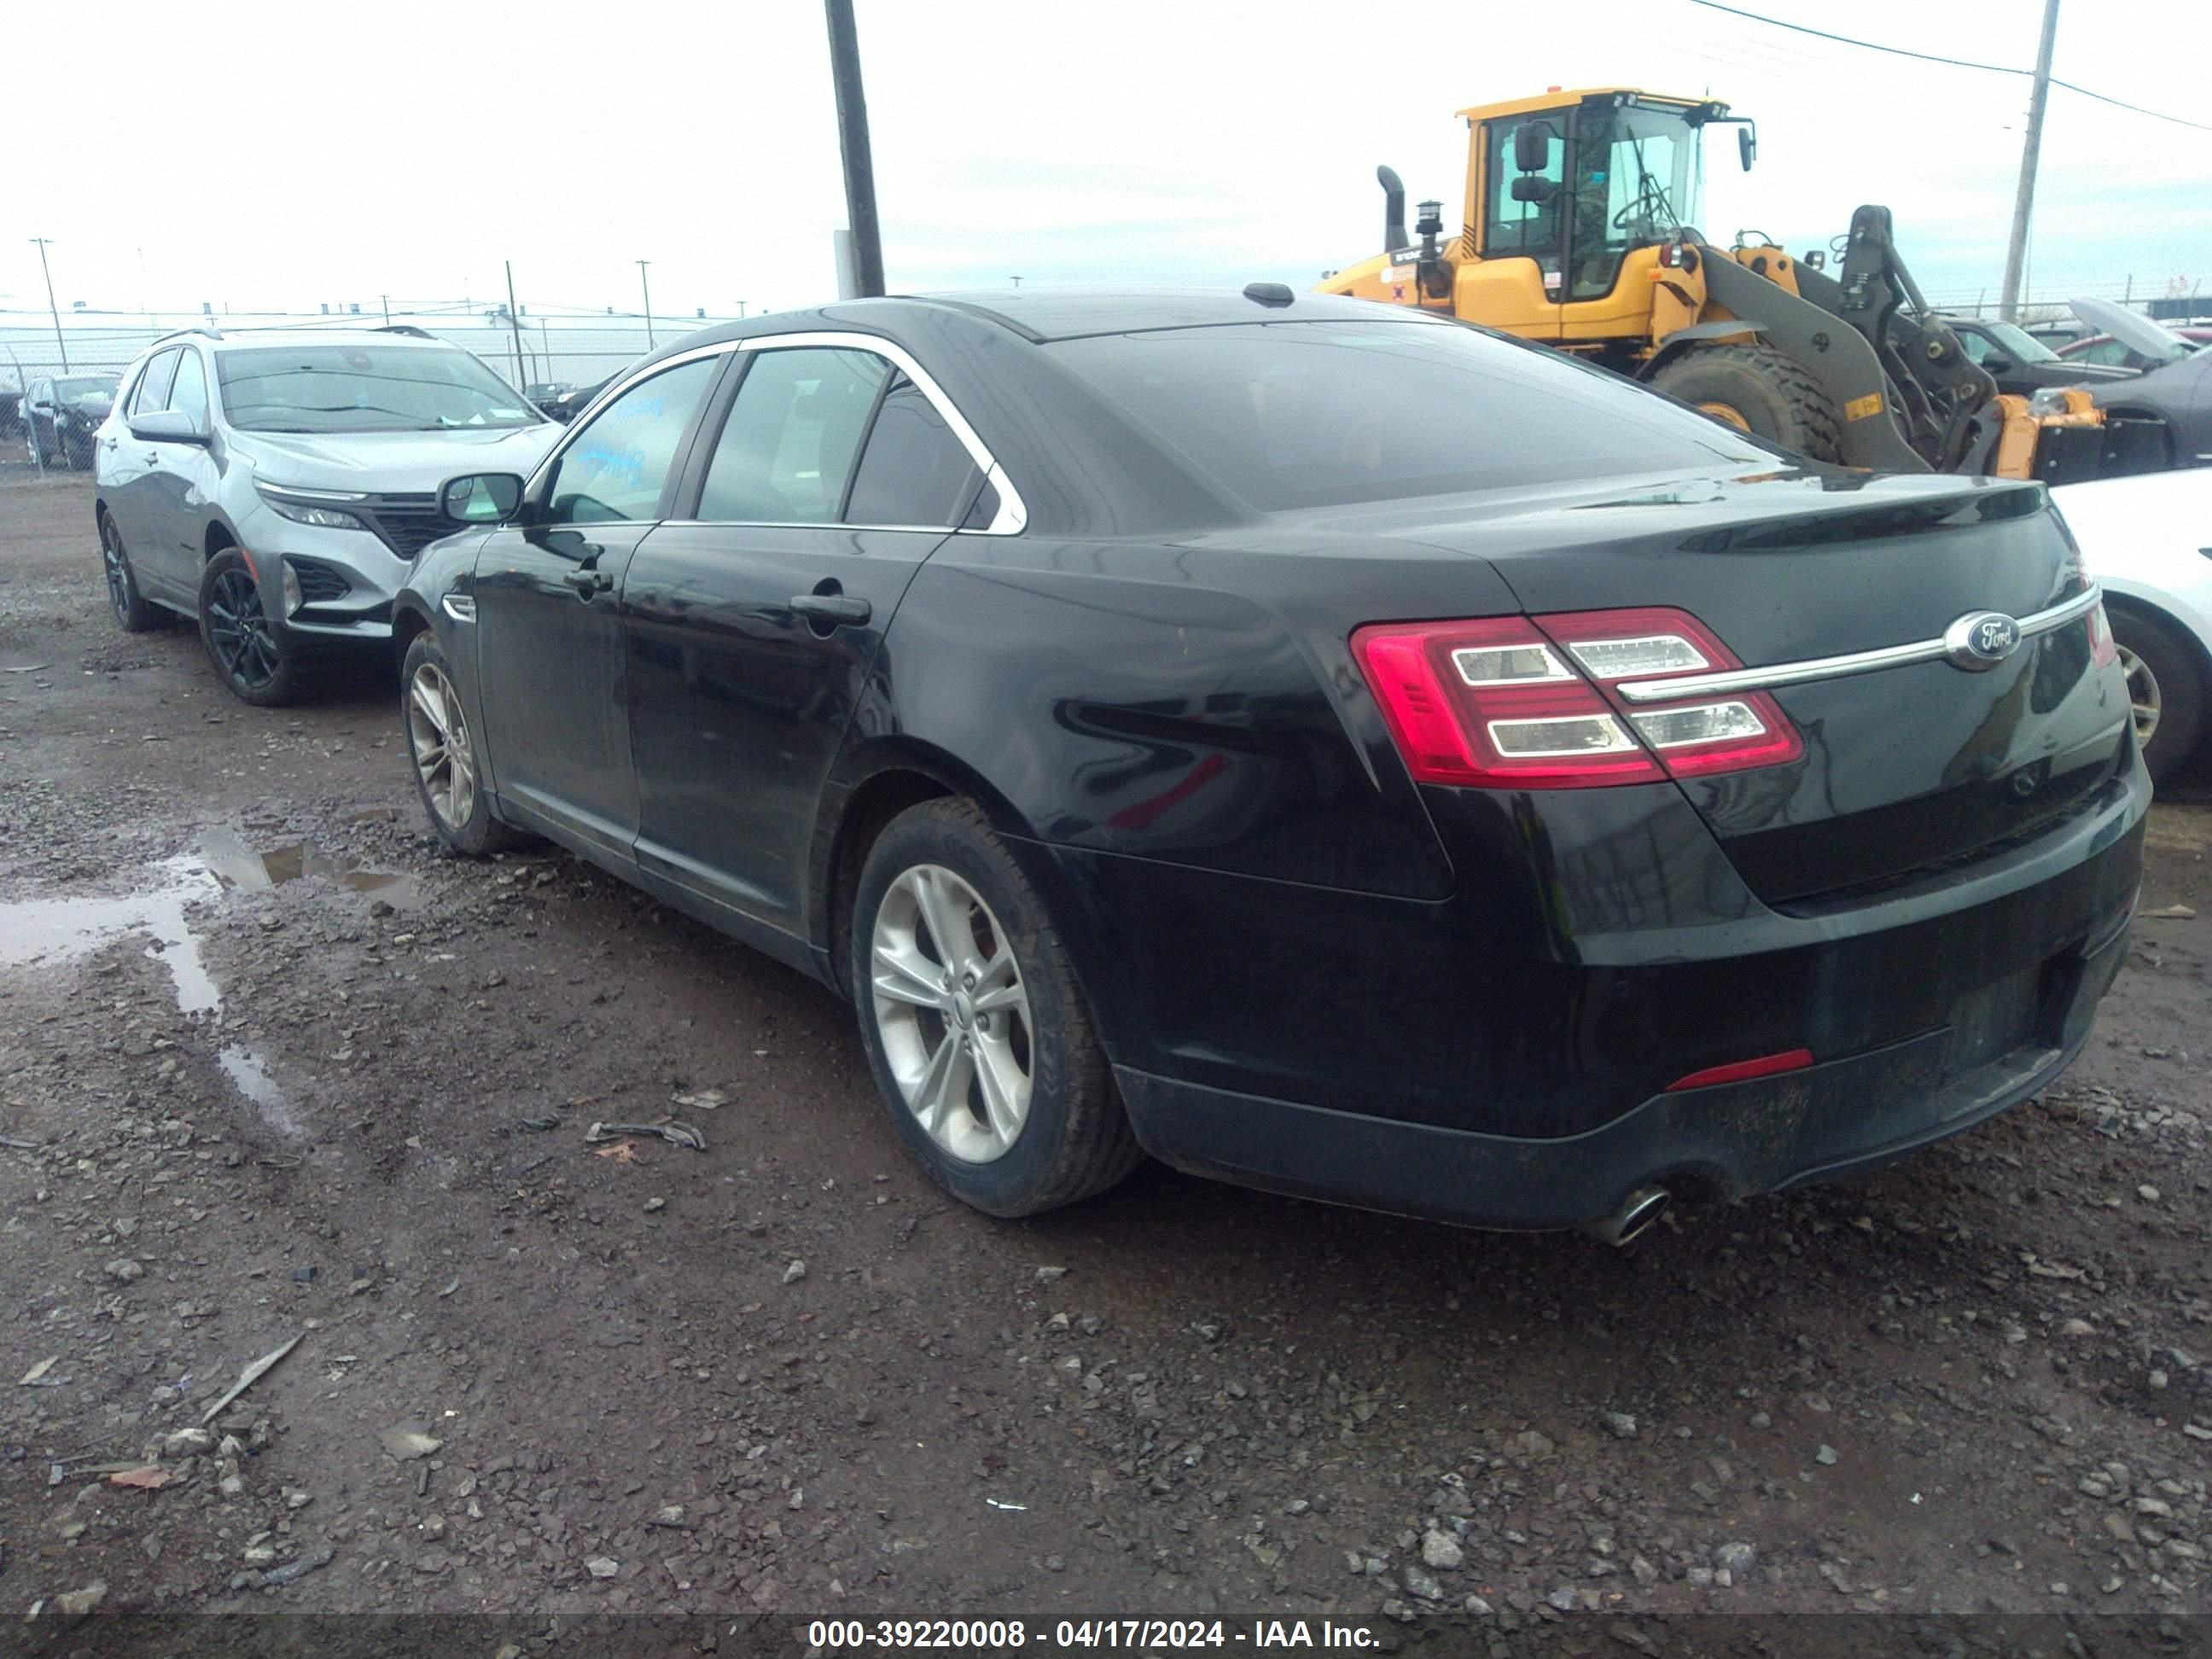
x=1980, y=640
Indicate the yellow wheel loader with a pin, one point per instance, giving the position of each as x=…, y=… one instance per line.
x=1580, y=216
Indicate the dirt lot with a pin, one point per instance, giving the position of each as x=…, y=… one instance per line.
x=271, y=1068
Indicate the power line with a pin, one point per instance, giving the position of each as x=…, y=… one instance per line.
x=1953, y=63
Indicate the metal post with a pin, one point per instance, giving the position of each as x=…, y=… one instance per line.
x=853, y=143
x=546, y=342
x=384, y=299
x=646, y=289
x=51, y=305
x=2024, y=198
x=515, y=323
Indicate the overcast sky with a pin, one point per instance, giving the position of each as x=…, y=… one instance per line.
x=281, y=155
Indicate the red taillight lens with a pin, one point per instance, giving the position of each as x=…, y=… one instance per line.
x=2103, y=651
x=1492, y=703
x=1697, y=736
x=1518, y=702
x=1789, y=1060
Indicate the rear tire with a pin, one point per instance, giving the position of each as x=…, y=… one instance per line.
x=2166, y=687
x=132, y=611
x=1759, y=390
x=249, y=648
x=981, y=1043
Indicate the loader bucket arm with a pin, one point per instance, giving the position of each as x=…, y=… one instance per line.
x=1833, y=353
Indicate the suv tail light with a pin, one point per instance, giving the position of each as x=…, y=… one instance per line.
x=1519, y=702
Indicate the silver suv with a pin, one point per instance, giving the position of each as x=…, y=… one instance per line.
x=275, y=485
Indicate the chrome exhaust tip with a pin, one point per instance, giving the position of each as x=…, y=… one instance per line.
x=1632, y=1220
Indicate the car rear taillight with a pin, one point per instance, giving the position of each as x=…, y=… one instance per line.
x=1517, y=701
x=2104, y=651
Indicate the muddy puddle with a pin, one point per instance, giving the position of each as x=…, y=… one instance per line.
x=50, y=931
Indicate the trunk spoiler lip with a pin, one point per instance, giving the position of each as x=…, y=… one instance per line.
x=1810, y=669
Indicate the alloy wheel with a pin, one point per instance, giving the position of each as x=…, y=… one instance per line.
x=2142, y=696
x=953, y=1013
x=238, y=628
x=119, y=572
x=444, y=757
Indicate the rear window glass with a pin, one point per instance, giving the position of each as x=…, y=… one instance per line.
x=1290, y=415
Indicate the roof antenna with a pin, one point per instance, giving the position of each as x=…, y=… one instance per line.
x=1268, y=294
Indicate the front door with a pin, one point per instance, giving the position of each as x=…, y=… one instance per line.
x=755, y=617
x=131, y=463
x=178, y=481
x=549, y=594
x=1518, y=284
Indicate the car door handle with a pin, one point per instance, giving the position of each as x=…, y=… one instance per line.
x=588, y=582
x=838, y=609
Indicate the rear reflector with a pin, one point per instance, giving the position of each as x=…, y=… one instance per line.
x=1789, y=1060
x=1498, y=701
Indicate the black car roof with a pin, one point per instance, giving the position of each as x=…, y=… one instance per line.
x=1062, y=314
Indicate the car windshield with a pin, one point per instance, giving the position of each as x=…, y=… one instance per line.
x=2019, y=344
x=364, y=388
x=1290, y=415
x=85, y=388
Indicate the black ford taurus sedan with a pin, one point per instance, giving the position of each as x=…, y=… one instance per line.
x=1327, y=748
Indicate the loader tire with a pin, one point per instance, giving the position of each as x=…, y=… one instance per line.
x=1759, y=390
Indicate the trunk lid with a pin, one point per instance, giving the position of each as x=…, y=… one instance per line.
x=1907, y=769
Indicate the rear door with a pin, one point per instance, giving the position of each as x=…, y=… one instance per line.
x=549, y=620
x=753, y=621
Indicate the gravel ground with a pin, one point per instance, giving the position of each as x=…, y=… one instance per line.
x=271, y=1070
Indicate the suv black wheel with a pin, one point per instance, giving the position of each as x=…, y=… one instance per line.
x=131, y=610
x=448, y=775
x=975, y=1027
x=248, y=647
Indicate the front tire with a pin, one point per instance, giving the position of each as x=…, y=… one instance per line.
x=448, y=770
x=2165, y=688
x=975, y=1027
x=132, y=612
x=1759, y=390
x=249, y=648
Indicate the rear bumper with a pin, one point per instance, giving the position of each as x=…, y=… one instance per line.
x=1727, y=1141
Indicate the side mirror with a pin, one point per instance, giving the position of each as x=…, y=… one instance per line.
x=167, y=426
x=1746, y=146
x=1997, y=364
x=1815, y=259
x=1539, y=190
x=480, y=497
x=1532, y=146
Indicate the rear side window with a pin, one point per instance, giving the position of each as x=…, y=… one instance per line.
x=1291, y=415
x=914, y=471
x=153, y=393
x=189, y=396
x=614, y=468
x=786, y=453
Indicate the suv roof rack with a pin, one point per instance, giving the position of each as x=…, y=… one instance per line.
x=207, y=330
x=408, y=329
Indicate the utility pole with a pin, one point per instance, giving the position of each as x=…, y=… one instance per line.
x=514, y=324
x=2024, y=199
x=55, y=309
x=384, y=299
x=853, y=144
x=741, y=311
x=647, y=289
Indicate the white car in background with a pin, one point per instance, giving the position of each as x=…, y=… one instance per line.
x=2148, y=539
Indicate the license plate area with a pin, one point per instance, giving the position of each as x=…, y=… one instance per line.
x=2022, y=1010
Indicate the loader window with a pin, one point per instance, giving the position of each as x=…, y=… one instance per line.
x=1639, y=175
x=1527, y=220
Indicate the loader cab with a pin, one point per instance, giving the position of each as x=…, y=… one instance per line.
x=1562, y=193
